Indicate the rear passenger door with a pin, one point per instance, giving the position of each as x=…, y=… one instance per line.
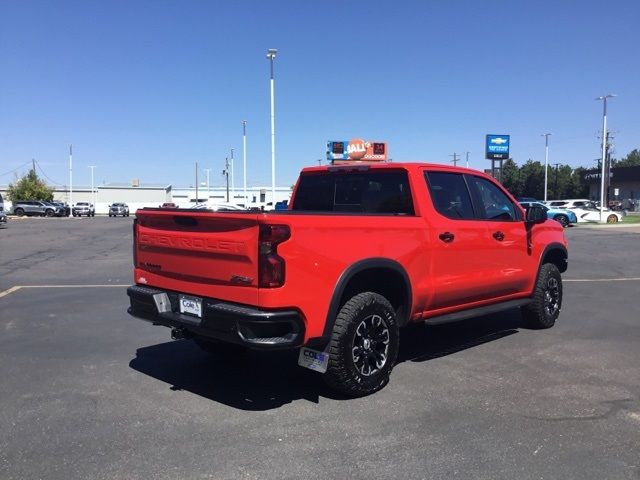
x=462, y=271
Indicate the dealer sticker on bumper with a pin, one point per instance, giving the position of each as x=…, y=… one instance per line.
x=313, y=359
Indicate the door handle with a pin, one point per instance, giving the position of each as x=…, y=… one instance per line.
x=498, y=235
x=446, y=237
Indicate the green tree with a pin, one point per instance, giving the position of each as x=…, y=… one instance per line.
x=631, y=160
x=511, y=178
x=577, y=188
x=532, y=174
x=29, y=187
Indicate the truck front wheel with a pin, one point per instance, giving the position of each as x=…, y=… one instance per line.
x=546, y=303
x=364, y=345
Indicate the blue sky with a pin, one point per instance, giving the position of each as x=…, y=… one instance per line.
x=144, y=89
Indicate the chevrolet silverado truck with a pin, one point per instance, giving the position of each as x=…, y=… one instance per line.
x=362, y=251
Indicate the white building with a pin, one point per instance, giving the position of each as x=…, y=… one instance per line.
x=139, y=195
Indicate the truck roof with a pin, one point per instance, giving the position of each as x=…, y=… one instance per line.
x=386, y=165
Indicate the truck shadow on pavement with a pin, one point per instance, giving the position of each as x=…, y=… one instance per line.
x=260, y=381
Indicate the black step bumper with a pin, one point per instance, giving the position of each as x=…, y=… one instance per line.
x=229, y=322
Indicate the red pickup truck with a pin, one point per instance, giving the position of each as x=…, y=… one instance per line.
x=363, y=250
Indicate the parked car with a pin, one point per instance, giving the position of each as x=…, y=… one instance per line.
x=591, y=213
x=168, y=205
x=282, y=205
x=1, y=204
x=218, y=207
x=64, y=206
x=564, y=217
x=84, y=208
x=526, y=199
x=363, y=252
x=33, y=208
x=587, y=210
x=3, y=219
x=118, y=209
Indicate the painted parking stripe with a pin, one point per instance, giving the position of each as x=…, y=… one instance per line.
x=9, y=290
x=631, y=279
x=18, y=287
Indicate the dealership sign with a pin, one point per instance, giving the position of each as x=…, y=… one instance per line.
x=497, y=147
x=356, y=149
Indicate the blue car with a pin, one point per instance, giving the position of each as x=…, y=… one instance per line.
x=561, y=215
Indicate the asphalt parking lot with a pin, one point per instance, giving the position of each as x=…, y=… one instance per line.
x=89, y=392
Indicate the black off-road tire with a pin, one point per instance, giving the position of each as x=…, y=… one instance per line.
x=562, y=220
x=49, y=212
x=546, y=304
x=19, y=212
x=350, y=358
x=218, y=348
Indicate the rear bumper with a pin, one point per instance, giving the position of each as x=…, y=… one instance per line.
x=229, y=322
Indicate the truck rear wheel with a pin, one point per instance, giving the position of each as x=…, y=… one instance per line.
x=545, y=307
x=364, y=345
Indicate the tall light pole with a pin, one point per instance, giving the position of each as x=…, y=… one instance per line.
x=208, y=190
x=604, y=148
x=271, y=54
x=93, y=193
x=244, y=161
x=546, y=162
x=233, y=182
x=70, y=180
x=467, y=158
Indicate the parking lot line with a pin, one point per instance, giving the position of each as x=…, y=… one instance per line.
x=631, y=279
x=18, y=287
x=9, y=290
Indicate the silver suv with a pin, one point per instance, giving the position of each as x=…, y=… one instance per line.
x=36, y=208
x=116, y=209
x=84, y=208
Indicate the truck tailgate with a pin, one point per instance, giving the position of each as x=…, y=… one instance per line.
x=204, y=253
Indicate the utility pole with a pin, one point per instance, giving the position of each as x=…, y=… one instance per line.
x=604, y=148
x=455, y=159
x=33, y=163
x=467, y=158
x=225, y=172
x=196, y=183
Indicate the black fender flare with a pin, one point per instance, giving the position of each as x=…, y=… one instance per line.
x=350, y=272
x=549, y=248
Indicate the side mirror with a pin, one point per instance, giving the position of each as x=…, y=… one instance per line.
x=536, y=215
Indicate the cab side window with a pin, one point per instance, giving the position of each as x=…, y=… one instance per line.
x=492, y=203
x=450, y=195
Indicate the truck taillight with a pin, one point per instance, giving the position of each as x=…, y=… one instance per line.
x=270, y=264
x=135, y=242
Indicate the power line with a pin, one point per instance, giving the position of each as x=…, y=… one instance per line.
x=15, y=169
x=46, y=176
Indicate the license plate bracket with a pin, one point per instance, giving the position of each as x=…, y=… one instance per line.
x=191, y=305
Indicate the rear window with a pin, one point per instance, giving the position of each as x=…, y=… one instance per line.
x=362, y=192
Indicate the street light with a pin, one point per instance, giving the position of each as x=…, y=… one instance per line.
x=93, y=193
x=271, y=54
x=546, y=161
x=244, y=162
x=604, y=148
